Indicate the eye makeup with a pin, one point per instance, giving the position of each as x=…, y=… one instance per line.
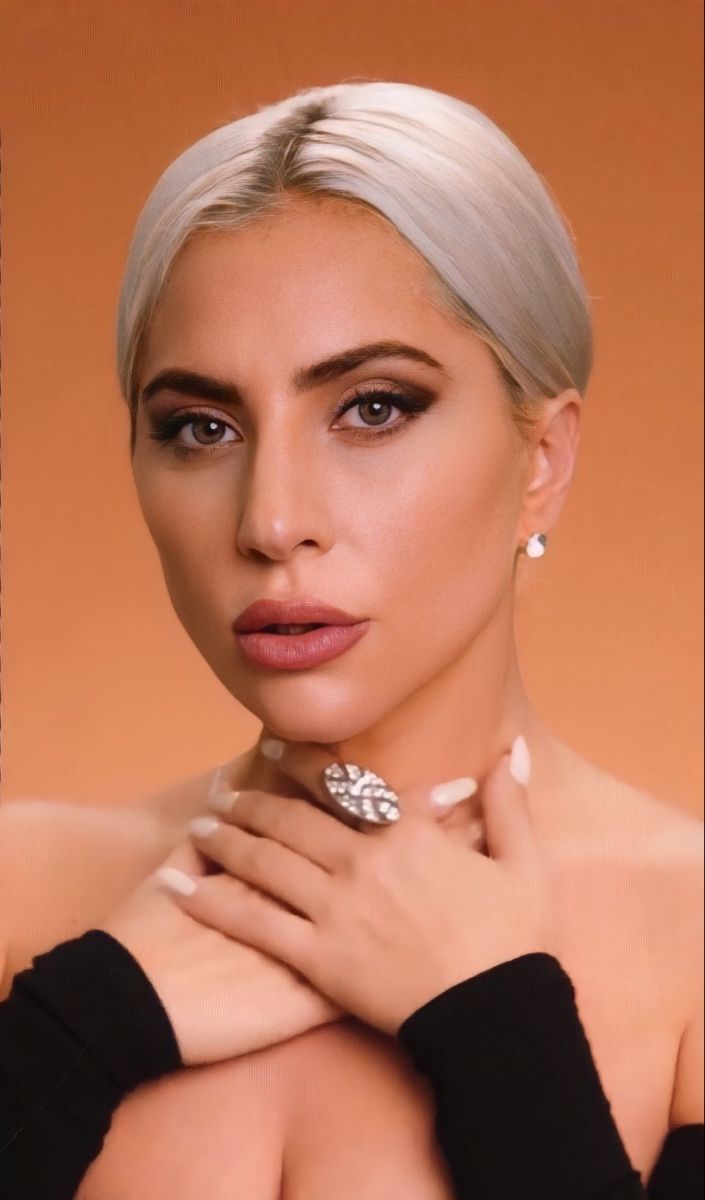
x=165, y=427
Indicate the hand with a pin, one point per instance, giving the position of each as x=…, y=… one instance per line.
x=380, y=921
x=223, y=998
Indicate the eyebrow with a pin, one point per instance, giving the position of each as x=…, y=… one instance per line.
x=207, y=387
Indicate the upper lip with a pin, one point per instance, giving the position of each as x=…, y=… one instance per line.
x=307, y=610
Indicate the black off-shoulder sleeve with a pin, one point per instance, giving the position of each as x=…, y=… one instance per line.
x=80, y=1028
x=520, y=1109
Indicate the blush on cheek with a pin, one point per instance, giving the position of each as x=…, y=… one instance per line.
x=457, y=563
x=467, y=514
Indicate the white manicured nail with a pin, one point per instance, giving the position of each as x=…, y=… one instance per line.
x=223, y=802
x=520, y=761
x=446, y=794
x=203, y=826
x=175, y=881
x=272, y=748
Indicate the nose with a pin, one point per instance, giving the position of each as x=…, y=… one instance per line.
x=283, y=499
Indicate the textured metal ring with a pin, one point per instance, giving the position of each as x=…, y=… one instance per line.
x=361, y=794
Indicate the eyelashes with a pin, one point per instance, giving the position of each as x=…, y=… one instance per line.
x=165, y=429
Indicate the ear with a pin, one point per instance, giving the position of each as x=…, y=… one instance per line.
x=551, y=462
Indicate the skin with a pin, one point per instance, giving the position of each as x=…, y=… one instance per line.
x=365, y=907
x=294, y=501
x=419, y=533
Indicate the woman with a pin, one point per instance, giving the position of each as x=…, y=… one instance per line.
x=295, y=278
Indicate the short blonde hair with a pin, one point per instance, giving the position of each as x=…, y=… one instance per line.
x=442, y=173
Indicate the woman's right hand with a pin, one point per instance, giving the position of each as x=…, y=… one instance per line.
x=223, y=998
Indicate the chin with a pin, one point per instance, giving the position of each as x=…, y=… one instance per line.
x=324, y=716
x=324, y=729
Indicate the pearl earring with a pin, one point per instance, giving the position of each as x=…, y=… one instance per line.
x=536, y=545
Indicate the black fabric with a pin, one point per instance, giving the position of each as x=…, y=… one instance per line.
x=81, y=1027
x=520, y=1111
x=680, y=1170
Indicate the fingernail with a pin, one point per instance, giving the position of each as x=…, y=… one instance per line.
x=223, y=802
x=272, y=748
x=175, y=881
x=203, y=826
x=446, y=794
x=520, y=761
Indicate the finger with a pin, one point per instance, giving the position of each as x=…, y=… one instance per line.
x=298, y=779
x=251, y=917
x=509, y=832
x=456, y=806
x=265, y=864
x=306, y=765
x=305, y=762
x=296, y=824
x=184, y=856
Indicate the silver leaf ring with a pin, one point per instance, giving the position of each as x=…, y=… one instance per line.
x=360, y=794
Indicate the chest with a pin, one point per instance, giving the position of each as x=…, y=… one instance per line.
x=340, y=1111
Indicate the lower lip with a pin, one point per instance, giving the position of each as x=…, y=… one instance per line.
x=293, y=651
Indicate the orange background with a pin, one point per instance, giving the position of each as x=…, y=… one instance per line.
x=103, y=695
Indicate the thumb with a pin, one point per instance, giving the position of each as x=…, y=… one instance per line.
x=508, y=829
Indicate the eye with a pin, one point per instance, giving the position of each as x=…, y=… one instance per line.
x=212, y=426
x=166, y=428
x=377, y=402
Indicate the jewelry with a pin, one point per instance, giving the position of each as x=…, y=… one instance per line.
x=361, y=794
x=536, y=545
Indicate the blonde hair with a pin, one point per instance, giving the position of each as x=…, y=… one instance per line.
x=453, y=184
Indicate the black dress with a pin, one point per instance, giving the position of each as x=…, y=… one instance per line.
x=520, y=1110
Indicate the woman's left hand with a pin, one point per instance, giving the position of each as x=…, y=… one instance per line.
x=381, y=920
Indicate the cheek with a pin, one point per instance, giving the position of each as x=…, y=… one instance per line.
x=452, y=529
x=186, y=526
x=182, y=512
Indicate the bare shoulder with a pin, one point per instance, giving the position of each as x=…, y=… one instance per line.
x=672, y=857
x=604, y=811
x=677, y=884
x=64, y=866
x=652, y=850
x=667, y=838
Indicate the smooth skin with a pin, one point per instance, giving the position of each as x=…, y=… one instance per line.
x=359, y=915
x=380, y=921
x=418, y=532
x=223, y=997
x=416, y=529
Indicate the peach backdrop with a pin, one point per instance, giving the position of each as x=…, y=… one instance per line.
x=103, y=695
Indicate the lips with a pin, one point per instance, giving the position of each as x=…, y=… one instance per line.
x=300, y=651
x=329, y=632
x=307, y=610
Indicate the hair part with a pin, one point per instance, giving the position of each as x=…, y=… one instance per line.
x=455, y=187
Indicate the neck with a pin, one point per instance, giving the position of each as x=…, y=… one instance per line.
x=459, y=723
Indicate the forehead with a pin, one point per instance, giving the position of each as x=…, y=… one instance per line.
x=296, y=285
x=308, y=252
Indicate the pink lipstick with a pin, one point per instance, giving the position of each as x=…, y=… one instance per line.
x=290, y=635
